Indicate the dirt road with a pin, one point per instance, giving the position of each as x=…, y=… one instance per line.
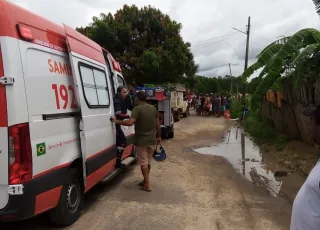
x=190, y=191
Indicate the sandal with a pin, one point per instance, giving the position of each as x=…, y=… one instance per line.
x=141, y=184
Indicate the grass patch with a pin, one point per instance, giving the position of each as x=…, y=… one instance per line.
x=258, y=128
x=262, y=131
x=236, y=109
x=281, y=142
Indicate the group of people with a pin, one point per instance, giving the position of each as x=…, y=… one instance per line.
x=210, y=105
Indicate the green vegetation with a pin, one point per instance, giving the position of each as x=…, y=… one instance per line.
x=146, y=42
x=236, y=109
x=217, y=84
x=262, y=131
x=148, y=45
x=296, y=57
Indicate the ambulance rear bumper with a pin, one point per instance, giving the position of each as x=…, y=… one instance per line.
x=20, y=206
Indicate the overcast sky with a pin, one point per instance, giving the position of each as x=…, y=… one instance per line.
x=203, y=21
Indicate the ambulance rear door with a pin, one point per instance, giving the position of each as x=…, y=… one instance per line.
x=94, y=96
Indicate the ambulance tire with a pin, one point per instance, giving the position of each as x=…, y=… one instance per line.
x=71, y=200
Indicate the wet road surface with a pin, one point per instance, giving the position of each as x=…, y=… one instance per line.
x=249, y=161
x=190, y=190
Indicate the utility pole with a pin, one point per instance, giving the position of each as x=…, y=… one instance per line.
x=231, y=79
x=246, y=58
x=244, y=90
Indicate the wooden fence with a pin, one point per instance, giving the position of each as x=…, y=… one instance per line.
x=275, y=98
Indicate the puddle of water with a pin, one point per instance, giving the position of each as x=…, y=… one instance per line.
x=248, y=163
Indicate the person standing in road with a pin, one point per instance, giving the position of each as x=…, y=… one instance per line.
x=306, y=205
x=145, y=117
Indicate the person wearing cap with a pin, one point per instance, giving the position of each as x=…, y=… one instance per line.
x=306, y=205
x=145, y=119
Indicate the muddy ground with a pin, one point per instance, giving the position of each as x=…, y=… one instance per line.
x=297, y=158
x=190, y=191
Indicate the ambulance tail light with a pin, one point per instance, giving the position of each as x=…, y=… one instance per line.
x=20, y=154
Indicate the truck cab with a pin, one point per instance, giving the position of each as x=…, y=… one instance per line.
x=179, y=106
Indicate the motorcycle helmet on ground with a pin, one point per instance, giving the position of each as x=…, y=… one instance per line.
x=161, y=155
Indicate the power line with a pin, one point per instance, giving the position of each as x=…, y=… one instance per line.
x=232, y=48
x=256, y=43
x=214, y=38
x=206, y=45
x=210, y=68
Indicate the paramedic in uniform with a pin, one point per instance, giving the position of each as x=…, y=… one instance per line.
x=306, y=206
x=147, y=134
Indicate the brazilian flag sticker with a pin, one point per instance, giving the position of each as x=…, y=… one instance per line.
x=41, y=149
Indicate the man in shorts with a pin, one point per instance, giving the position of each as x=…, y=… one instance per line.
x=145, y=117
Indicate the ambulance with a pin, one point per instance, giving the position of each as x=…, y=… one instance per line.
x=56, y=100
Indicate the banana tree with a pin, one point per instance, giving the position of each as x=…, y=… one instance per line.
x=278, y=55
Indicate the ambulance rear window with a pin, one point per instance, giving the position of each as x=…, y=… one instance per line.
x=95, y=86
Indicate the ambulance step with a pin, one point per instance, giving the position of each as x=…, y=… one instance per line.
x=116, y=172
x=127, y=161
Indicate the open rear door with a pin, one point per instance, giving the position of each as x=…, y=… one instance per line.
x=94, y=96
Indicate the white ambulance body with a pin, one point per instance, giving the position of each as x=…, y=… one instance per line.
x=56, y=100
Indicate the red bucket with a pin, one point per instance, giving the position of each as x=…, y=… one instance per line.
x=159, y=95
x=227, y=114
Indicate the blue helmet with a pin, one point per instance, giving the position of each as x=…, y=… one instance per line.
x=161, y=155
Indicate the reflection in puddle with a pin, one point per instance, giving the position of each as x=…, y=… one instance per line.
x=245, y=156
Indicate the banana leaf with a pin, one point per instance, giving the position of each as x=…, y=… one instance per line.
x=317, y=5
x=277, y=85
x=262, y=89
x=279, y=41
x=291, y=49
x=263, y=58
x=306, y=53
x=294, y=42
x=266, y=69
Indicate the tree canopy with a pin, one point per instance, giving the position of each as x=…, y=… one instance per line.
x=146, y=42
x=220, y=85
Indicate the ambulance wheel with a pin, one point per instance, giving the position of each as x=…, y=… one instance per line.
x=185, y=114
x=171, y=134
x=71, y=200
